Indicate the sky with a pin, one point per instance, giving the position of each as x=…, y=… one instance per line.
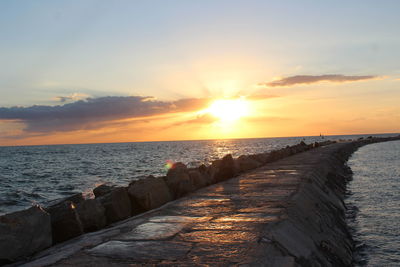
x=122, y=71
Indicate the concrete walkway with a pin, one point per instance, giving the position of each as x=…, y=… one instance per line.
x=223, y=224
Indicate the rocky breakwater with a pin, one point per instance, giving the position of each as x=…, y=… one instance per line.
x=68, y=218
x=313, y=231
x=26, y=232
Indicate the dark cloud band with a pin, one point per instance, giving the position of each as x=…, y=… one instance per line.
x=309, y=79
x=93, y=112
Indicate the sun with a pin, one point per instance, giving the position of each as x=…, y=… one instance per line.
x=229, y=110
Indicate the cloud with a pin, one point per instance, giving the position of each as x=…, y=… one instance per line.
x=269, y=119
x=260, y=97
x=309, y=79
x=205, y=118
x=72, y=97
x=95, y=113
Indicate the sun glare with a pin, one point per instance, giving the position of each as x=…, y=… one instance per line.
x=229, y=110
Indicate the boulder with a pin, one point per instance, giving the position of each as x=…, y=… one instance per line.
x=286, y=152
x=293, y=150
x=117, y=204
x=178, y=180
x=301, y=147
x=212, y=172
x=325, y=143
x=216, y=163
x=262, y=157
x=206, y=174
x=245, y=163
x=103, y=189
x=226, y=168
x=92, y=215
x=268, y=158
x=199, y=179
x=148, y=193
x=75, y=198
x=65, y=222
x=23, y=233
x=274, y=155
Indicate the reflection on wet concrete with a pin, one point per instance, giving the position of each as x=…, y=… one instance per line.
x=153, y=231
x=233, y=212
x=224, y=236
x=141, y=250
x=178, y=219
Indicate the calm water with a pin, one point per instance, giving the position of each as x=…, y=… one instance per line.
x=37, y=174
x=374, y=203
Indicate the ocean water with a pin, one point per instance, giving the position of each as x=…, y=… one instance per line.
x=374, y=204
x=37, y=174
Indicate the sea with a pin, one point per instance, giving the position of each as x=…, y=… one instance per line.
x=374, y=204
x=31, y=175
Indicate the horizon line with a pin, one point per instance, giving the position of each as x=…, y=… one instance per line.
x=210, y=139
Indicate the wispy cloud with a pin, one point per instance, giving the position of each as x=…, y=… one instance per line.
x=309, y=79
x=71, y=97
x=260, y=97
x=94, y=113
x=269, y=119
x=204, y=119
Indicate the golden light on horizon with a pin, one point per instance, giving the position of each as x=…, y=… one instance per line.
x=229, y=110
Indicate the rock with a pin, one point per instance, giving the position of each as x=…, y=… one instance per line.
x=287, y=151
x=282, y=153
x=262, y=157
x=301, y=147
x=206, y=174
x=178, y=180
x=149, y=193
x=324, y=143
x=23, y=233
x=216, y=163
x=246, y=163
x=212, y=172
x=226, y=168
x=199, y=179
x=75, y=198
x=274, y=155
x=293, y=150
x=103, y=189
x=65, y=222
x=117, y=204
x=92, y=215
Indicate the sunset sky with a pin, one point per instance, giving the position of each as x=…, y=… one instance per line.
x=119, y=71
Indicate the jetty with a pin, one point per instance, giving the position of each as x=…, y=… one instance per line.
x=287, y=212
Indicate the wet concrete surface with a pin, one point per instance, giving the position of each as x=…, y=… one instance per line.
x=220, y=225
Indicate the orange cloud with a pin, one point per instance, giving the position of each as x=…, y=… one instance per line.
x=260, y=97
x=94, y=113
